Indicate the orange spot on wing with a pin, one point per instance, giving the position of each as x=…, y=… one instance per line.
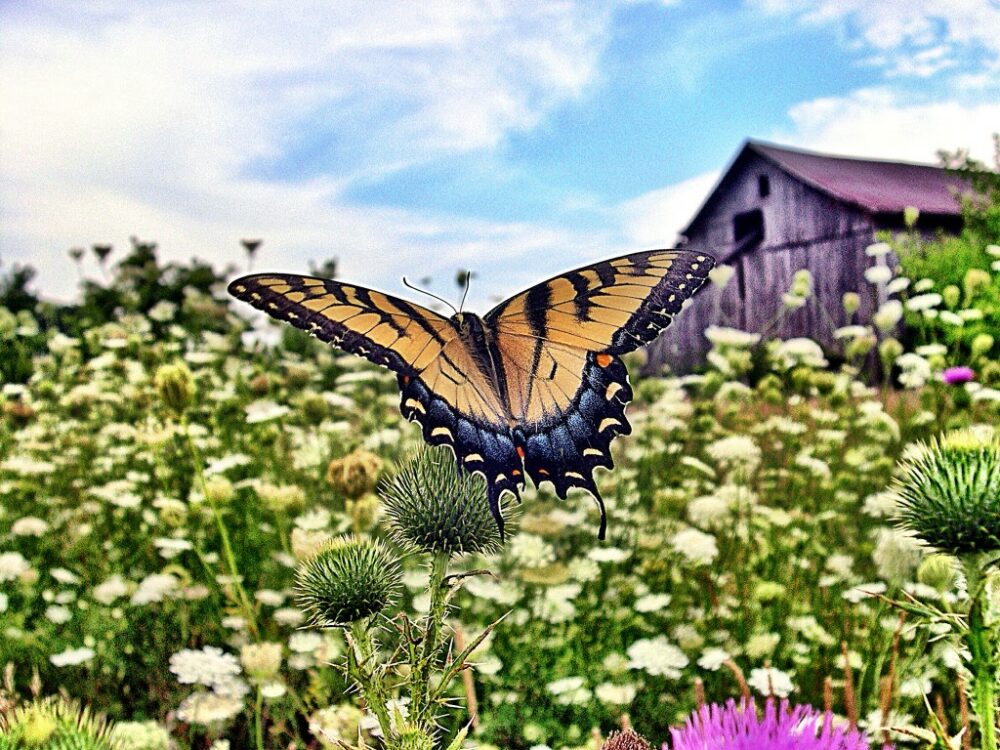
x=516, y=472
x=603, y=360
x=520, y=451
x=406, y=380
x=543, y=471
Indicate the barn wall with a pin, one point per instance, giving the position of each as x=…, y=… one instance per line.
x=803, y=228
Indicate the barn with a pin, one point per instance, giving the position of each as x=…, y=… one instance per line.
x=776, y=210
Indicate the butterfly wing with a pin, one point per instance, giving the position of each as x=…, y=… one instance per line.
x=559, y=346
x=442, y=383
x=390, y=332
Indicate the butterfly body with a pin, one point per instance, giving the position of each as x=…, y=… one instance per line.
x=535, y=387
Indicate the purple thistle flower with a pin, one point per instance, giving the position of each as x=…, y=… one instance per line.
x=737, y=727
x=958, y=375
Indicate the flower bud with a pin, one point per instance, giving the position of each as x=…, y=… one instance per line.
x=951, y=295
x=218, y=489
x=434, y=508
x=974, y=280
x=911, y=214
x=982, y=343
x=261, y=661
x=938, y=572
x=349, y=579
x=355, y=474
x=949, y=492
x=175, y=386
x=851, y=302
x=627, y=740
x=363, y=512
x=410, y=737
x=802, y=283
x=890, y=350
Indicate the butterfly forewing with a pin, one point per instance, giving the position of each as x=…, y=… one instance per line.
x=391, y=332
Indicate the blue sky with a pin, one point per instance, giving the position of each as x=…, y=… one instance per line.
x=516, y=138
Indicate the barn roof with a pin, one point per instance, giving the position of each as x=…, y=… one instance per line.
x=876, y=186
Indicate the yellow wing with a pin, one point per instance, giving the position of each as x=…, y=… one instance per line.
x=559, y=344
x=407, y=338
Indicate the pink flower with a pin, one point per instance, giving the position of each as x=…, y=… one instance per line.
x=958, y=375
x=737, y=727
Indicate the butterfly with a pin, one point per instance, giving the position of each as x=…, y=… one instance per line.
x=535, y=387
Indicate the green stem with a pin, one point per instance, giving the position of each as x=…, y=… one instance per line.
x=258, y=724
x=979, y=639
x=421, y=671
x=360, y=650
x=244, y=601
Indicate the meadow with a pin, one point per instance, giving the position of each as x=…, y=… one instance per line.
x=163, y=473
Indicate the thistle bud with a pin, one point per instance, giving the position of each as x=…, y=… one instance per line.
x=938, y=572
x=411, y=738
x=355, y=474
x=175, y=386
x=627, y=740
x=949, y=492
x=349, y=579
x=433, y=508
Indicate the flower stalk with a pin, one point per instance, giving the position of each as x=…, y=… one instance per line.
x=243, y=601
x=981, y=643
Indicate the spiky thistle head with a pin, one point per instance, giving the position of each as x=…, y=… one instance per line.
x=410, y=737
x=55, y=724
x=434, y=508
x=626, y=740
x=948, y=493
x=346, y=580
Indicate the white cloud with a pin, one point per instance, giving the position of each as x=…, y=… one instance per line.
x=910, y=37
x=881, y=123
x=188, y=123
x=892, y=23
x=654, y=219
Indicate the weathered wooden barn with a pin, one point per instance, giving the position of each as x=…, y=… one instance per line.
x=777, y=210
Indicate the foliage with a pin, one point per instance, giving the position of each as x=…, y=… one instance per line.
x=964, y=270
x=154, y=514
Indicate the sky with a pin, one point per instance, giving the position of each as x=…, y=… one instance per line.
x=516, y=139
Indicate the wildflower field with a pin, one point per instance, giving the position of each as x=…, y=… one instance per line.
x=164, y=473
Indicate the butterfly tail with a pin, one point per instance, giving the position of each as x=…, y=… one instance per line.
x=493, y=495
x=603, y=530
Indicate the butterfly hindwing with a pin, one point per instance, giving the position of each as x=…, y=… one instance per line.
x=483, y=446
x=560, y=344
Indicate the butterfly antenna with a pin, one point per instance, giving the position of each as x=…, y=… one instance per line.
x=468, y=283
x=408, y=285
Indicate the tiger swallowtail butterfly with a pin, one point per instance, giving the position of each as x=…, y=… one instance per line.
x=536, y=387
